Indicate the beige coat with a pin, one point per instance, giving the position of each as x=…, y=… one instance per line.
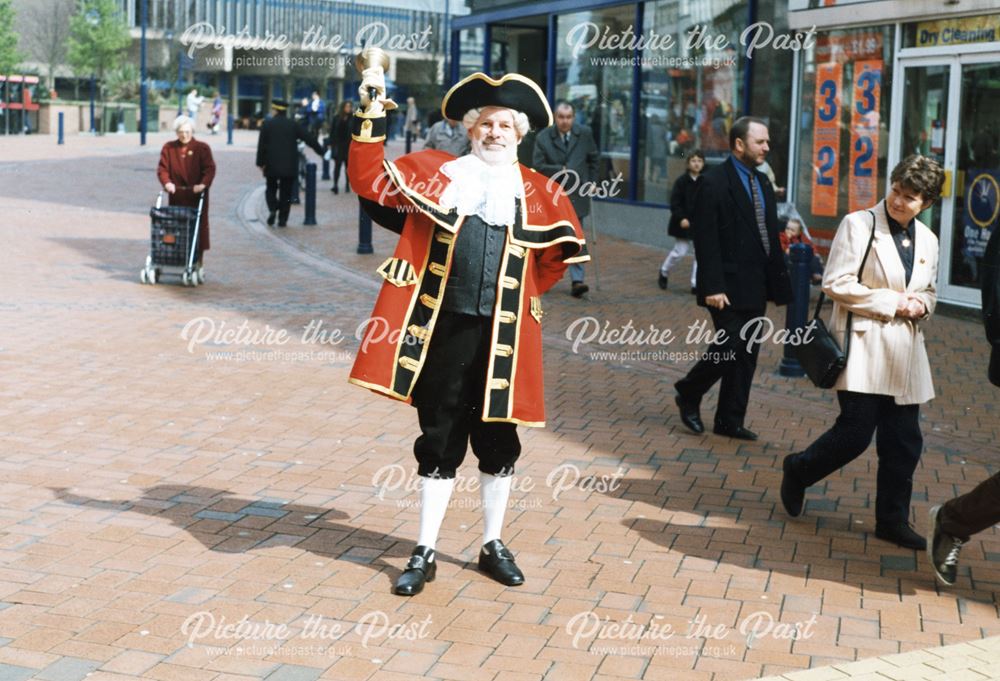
x=887, y=354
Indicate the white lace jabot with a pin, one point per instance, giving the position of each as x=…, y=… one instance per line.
x=478, y=188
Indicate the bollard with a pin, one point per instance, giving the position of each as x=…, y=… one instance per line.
x=310, y=194
x=364, y=231
x=229, y=129
x=326, y=169
x=61, y=130
x=409, y=140
x=797, y=315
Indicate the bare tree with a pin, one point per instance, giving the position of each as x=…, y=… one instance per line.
x=45, y=32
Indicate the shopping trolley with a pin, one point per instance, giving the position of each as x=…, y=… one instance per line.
x=174, y=243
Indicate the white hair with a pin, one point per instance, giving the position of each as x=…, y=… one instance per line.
x=521, y=123
x=182, y=121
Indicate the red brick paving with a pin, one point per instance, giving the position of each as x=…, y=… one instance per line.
x=143, y=483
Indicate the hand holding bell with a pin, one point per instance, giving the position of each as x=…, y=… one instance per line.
x=372, y=64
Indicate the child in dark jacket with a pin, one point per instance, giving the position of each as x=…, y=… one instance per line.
x=681, y=207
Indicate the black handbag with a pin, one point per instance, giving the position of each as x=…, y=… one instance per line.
x=821, y=357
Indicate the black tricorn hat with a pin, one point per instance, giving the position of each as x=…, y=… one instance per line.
x=513, y=91
x=279, y=104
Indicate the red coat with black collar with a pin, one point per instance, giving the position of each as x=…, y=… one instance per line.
x=544, y=239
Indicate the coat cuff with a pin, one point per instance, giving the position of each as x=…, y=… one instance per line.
x=368, y=128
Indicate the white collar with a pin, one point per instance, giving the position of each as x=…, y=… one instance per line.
x=478, y=188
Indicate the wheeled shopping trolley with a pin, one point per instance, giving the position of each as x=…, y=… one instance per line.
x=174, y=243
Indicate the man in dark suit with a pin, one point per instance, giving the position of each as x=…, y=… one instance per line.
x=278, y=159
x=740, y=268
x=567, y=152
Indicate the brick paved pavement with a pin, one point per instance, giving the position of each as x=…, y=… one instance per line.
x=144, y=484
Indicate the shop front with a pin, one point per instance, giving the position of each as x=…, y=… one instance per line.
x=653, y=80
x=871, y=95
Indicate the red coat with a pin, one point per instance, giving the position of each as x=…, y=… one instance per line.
x=401, y=327
x=187, y=165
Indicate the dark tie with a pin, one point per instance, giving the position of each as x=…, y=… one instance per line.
x=566, y=139
x=758, y=211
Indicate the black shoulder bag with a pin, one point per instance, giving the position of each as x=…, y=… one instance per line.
x=821, y=357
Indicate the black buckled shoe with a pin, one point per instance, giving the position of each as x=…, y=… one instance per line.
x=793, y=492
x=901, y=534
x=497, y=561
x=270, y=218
x=421, y=568
x=690, y=415
x=661, y=281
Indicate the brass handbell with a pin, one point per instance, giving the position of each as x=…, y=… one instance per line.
x=371, y=57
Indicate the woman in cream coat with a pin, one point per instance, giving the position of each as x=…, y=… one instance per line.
x=887, y=376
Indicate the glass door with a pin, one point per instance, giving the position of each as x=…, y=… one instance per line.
x=949, y=109
x=977, y=172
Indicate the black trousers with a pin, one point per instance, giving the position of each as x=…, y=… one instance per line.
x=449, y=401
x=973, y=512
x=279, y=196
x=338, y=163
x=898, y=444
x=731, y=362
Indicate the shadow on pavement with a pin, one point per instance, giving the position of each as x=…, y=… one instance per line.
x=749, y=537
x=309, y=528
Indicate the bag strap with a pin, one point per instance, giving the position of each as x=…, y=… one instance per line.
x=822, y=295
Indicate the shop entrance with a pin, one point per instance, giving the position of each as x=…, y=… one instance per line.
x=948, y=108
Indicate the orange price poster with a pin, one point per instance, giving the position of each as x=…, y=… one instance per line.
x=862, y=181
x=826, y=139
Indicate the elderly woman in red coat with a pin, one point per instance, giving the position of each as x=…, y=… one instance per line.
x=186, y=171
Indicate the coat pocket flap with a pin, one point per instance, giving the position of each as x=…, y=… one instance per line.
x=398, y=272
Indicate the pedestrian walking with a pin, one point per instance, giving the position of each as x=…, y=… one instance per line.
x=278, y=159
x=460, y=310
x=186, y=171
x=215, y=122
x=567, y=153
x=316, y=114
x=881, y=276
x=193, y=104
x=339, y=143
x=740, y=268
x=681, y=211
x=953, y=523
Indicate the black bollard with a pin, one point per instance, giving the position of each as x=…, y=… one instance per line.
x=61, y=136
x=797, y=315
x=229, y=128
x=409, y=141
x=364, y=232
x=326, y=169
x=310, y=194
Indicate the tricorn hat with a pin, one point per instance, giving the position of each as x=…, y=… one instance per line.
x=512, y=91
x=279, y=104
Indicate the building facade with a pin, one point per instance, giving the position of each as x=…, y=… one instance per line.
x=653, y=80
x=889, y=78
x=252, y=50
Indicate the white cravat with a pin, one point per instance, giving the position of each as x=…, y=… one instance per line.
x=478, y=188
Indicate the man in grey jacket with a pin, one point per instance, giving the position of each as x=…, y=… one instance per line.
x=447, y=135
x=567, y=153
x=953, y=523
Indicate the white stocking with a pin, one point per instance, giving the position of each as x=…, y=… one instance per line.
x=494, y=492
x=435, y=493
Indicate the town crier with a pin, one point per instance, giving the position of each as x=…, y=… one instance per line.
x=456, y=330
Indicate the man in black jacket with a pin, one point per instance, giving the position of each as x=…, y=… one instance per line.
x=740, y=268
x=954, y=522
x=278, y=159
x=567, y=153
